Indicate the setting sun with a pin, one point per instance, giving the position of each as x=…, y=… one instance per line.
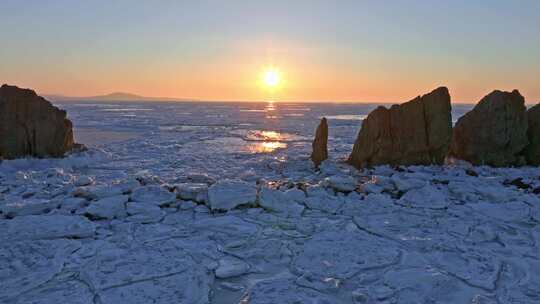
x=271, y=78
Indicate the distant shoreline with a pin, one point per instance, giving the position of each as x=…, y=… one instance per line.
x=233, y=101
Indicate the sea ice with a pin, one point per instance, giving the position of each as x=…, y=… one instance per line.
x=144, y=213
x=46, y=227
x=28, y=207
x=231, y=267
x=228, y=194
x=153, y=194
x=280, y=202
x=192, y=191
x=433, y=234
x=108, y=208
x=341, y=183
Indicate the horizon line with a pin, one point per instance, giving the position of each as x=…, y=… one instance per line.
x=100, y=98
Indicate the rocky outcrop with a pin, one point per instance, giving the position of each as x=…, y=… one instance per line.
x=320, y=143
x=31, y=126
x=494, y=132
x=532, y=152
x=417, y=132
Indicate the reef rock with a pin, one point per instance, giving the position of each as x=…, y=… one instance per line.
x=494, y=132
x=32, y=126
x=320, y=143
x=532, y=152
x=417, y=132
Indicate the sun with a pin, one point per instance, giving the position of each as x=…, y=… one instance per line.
x=271, y=78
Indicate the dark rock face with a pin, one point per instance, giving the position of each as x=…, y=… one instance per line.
x=417, y=132
x=494, y=132
x=320, y=143
x=31, y=126
x=532, y=152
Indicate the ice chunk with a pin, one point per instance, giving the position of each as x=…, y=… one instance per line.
x=144, y=213
x=153, y=194
x=405, y=184
x=278, y=201
x=83, y=181
x=36, y=227
x=425, y=197
x=328, y=167
x=231, y=267
x=341, y=183
x=28, y=207
x=325, y=202
x=192, y=191
x=72, y=204
x=228, y=194
x=97, y=192
x=296, y=195
x=108, y=208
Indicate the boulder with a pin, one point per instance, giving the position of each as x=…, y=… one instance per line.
x=532, y=152
x=32, y=126
x=320, y=143
x=494, y=132
x=417, y=132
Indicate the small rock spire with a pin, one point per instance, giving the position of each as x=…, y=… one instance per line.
x=320, y=143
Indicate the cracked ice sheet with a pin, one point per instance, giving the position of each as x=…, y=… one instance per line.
x=432, y=234
x=283, y=291
x=26, y=265
x=159, y=271
x=341, y=255
x=43, y=227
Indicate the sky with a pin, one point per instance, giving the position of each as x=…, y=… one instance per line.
x=340, y=50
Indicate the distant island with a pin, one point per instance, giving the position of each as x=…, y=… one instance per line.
x=116, y=96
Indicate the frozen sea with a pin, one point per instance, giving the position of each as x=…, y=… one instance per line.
x=218, y=203
x=240, y=139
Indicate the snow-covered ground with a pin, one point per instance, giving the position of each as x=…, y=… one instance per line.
x=139, y=218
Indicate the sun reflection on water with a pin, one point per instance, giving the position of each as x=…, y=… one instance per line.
x=266, y=147
x=270, y=135
x=270, y=106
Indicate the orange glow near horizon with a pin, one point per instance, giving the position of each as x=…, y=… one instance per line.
x=287, y=51
x=287, y=71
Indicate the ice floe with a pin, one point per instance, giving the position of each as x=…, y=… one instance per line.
x=228, y=194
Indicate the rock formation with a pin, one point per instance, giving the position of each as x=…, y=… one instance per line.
x=417, y=132
x=532, y=152
x=494, y=132
x=320, y=143
x=31, y=126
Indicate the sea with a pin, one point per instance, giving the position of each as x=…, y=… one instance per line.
x=223, y=139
